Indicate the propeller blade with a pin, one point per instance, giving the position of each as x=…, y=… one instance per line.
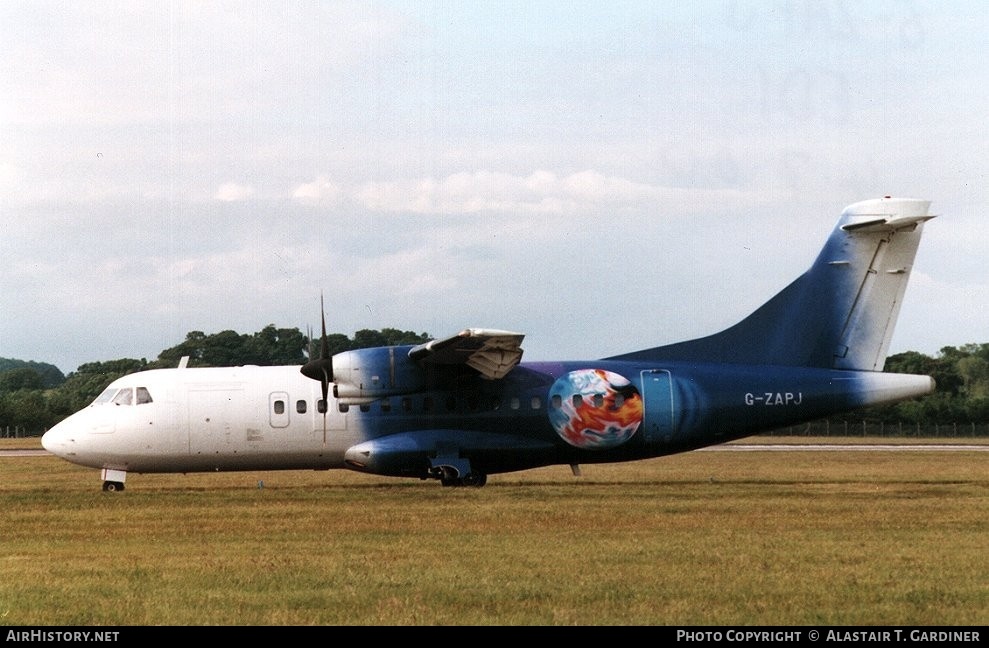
x=321, y=368
x=323, y=353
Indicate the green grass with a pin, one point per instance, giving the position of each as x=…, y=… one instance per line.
x=20, y=443
x=704, y=538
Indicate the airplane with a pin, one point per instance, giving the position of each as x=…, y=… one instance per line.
x=460, y=408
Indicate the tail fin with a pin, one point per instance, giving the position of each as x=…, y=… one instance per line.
x=840, y=313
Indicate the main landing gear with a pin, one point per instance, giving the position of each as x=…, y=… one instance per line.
x=450, y=476
x=471, y=479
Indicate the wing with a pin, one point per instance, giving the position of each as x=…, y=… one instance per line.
x=491, y=352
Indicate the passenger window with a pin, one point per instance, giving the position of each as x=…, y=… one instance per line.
x=143, y=396
x=300, y=406
x=406, y=404
x=558, y=401
x=427, y=403
x=343, y=407
x=514, y=404
x=279, y=407
x=321, y=406
x=578, y=400
x=124, y=397
x=536, y=402
x=598, y=400
x=619, y=401
x=365, y=407
x=386, y=405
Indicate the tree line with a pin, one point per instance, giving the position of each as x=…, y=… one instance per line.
x=35, y=396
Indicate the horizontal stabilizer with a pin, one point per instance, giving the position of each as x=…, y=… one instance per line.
x=491, y=352
x=886, y=223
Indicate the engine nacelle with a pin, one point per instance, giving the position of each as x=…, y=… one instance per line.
x=365, y=375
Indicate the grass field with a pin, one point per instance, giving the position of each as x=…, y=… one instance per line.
x=703, y=538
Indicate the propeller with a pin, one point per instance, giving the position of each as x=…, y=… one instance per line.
x=321, y=368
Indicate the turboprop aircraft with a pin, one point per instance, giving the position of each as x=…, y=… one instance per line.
x=464, y=407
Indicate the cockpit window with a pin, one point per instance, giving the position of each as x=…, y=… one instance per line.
x=124, y=396
x=106, y=396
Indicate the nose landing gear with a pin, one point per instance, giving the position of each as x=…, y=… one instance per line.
x=113, y=486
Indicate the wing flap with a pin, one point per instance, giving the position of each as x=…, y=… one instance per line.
x=490, y=352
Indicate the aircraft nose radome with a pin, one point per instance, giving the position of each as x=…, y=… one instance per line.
x=49, y=441
x=56, y=440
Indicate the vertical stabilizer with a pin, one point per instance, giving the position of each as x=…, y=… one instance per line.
x=882, y=244
x=840, y=313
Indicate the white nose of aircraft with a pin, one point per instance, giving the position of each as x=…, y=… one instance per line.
x=48, y=441
x=68, y=439
x=55, y=440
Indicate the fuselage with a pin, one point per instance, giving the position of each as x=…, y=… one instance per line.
x=272, y=418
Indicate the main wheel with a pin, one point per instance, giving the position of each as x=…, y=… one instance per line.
x=112, y=486
x=475, y=479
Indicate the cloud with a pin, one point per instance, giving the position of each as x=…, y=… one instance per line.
x=491, y=191
x=124, y=63
x=321, y=191
x=408, y=156
x=233, y=192
x=937, y=313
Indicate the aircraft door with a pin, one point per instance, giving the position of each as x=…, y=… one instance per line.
x=215, y=415
x=657, y=396
x=173, y=432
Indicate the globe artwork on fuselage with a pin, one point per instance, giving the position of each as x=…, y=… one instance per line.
x=594, y=409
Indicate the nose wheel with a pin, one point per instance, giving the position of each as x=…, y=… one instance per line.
x=113, y=479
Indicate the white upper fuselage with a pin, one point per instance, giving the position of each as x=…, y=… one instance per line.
x=213, y=418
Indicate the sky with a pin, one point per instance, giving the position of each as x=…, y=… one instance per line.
x=600, y=176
